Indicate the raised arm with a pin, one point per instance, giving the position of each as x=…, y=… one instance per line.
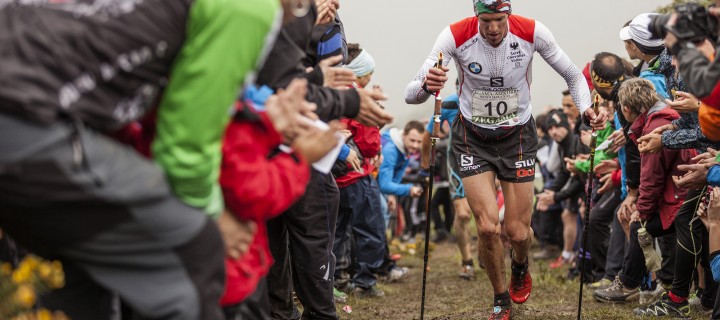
x=445, y=43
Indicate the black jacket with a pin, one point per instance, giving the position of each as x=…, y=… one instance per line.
x=565, y=185
x=700, y=74
x=285, y=63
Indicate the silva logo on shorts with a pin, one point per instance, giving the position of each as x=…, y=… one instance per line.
x=524, y=163
x=475, y=67
x=466, y=160
x=525, y=168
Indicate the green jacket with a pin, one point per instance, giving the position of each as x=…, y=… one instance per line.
x=224, y=43
x=600, y=155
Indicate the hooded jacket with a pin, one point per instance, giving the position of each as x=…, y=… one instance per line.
x=658, y=194
x=365, y=140
x=394, y=163
x=259, y=182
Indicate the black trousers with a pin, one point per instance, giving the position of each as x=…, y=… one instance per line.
x=615, y=249
x=550, y=227
x=301, y=242
x=668, y=246
x=109, y=215
x=598, y=237
x=634, y=264
x=692, y=237
x=442, y=198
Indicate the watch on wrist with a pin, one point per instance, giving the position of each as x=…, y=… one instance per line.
x=425, y=88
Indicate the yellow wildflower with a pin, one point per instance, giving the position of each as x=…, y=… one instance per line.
x=31, y=261
x=43, y=314
x=45, y=270
x=21, y=275
x=25, y=296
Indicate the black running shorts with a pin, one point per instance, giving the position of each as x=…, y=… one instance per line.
x=509, y=152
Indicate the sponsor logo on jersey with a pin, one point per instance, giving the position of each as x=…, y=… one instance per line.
x=468, y=45
x=475, y=67
x=514, y=45
x=497, y=82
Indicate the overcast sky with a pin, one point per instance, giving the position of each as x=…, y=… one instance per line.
x=399, y=34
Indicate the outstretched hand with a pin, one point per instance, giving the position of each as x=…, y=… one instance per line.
x=597, y=121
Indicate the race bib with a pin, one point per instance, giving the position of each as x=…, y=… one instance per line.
x=495, y=107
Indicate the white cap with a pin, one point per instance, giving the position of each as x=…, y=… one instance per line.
x=625, y=34
x=639, y=32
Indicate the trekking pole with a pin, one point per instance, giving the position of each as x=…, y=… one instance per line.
x=428, y=193
x=588, y=200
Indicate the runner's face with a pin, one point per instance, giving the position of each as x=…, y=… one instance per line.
x=558, y=133
x=493, y=27
x=412, y=141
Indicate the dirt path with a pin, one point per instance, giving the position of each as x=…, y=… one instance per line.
x=449, y=297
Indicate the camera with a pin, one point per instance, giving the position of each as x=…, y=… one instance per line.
x=694, y=23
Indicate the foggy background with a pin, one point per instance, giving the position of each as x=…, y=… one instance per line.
x=399, y=34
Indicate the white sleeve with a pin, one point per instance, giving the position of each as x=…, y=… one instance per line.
x=548, y=49
x=445, y=43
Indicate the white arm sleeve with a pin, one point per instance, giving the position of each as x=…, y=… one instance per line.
x=414, y=94
x=548, y=49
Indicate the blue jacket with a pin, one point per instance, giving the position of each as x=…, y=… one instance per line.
x=621, y=157
x=393, y=166
x=713, y=176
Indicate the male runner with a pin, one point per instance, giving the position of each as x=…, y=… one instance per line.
x=495, y=134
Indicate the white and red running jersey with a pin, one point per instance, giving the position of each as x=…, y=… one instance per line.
x=495, y=81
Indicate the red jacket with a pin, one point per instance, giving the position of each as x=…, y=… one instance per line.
x=657, y=192
x=367, y=140
x=259, y=183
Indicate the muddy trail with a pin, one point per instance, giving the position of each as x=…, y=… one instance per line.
x=449, y=298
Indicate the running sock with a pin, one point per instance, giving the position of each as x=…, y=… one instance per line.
x=503, y=299
x=567, y=255
x=676, y=299
x=467, y=262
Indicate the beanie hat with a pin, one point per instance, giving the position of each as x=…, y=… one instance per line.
x=492, y=6
x=557, y=118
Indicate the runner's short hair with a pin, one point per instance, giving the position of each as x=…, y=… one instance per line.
x=414, y=125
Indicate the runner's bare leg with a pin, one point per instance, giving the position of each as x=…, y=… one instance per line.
x=518, y=213
x=480, y=192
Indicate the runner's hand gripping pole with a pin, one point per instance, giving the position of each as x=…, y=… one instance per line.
x=429, y=184
x=588, y=206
